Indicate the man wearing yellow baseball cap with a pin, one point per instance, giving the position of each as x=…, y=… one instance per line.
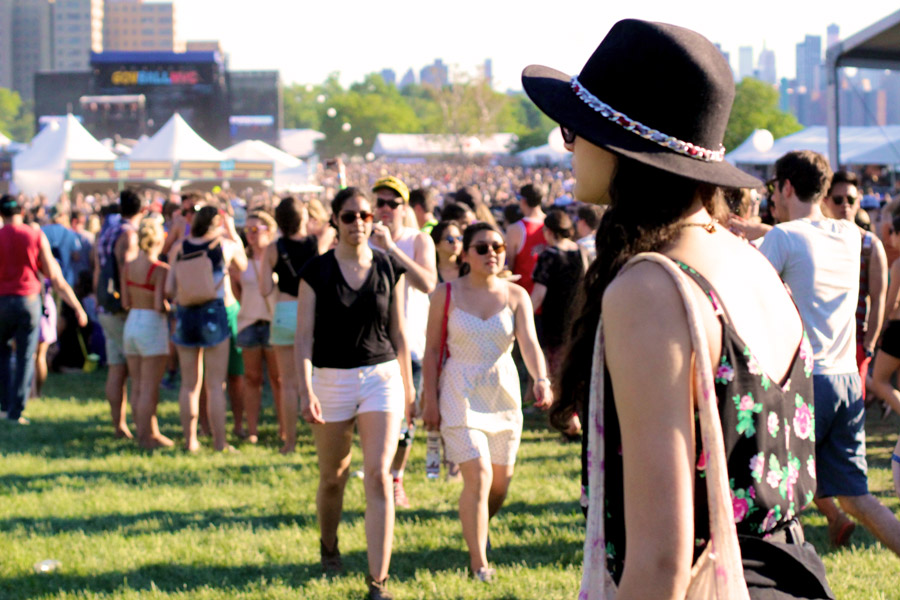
x=415, y=251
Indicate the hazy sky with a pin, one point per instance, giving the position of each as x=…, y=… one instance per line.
x=308, y=39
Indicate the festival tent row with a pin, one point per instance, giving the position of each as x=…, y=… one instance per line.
x=174, y=157
x=423, y=145
x=544, y=155
x=871, y=145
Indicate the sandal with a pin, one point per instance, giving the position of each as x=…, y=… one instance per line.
x=485, y=574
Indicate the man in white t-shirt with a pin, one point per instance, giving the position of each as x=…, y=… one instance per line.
x=818, y=258
x=415, y=251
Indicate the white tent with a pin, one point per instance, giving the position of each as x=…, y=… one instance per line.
x=300, y=142
x=290, y=174
x=423, y=144
x=544, y=155
x=259, y=150
x=4, y=141
x=175, y=142
x=879, y=145
x=41, y=168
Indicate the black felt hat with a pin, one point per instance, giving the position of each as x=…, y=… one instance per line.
x=656, y=93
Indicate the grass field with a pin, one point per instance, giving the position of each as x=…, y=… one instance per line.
x=128, y=524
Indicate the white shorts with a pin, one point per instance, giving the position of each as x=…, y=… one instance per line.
x=462, y=444
x=345, y=393
x=146, y=333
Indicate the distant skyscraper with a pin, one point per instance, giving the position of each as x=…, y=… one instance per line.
x=389, y=76
x=138, y=26
x=489, y=72
x=726, y=55
x=435, y=74
x=408, y=79
x=77, y=31
x=32, y=43
x=745, y=62
x=6, y=43
x=766, y=67
x=833, y=35
x=809, y=61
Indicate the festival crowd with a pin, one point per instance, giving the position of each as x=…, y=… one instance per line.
x=446, y=294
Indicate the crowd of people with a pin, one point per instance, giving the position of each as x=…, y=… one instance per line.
x=719, y=355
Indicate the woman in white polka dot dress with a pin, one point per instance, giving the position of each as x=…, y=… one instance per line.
x=477, y=403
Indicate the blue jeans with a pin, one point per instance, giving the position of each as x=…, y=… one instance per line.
x=20, y=319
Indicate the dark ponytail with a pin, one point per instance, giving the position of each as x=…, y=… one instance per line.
x=646, y=205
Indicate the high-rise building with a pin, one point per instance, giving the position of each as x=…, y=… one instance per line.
x=489, y=72
x=833, y=35
x=389, y=76
x=138, y=26
x=745, y=62
x=6, y=43
x=725, y=55
x=809, y=62
x=435, y=74
x=77, y=31
x=409, y=78
x=766, y=66
x=31, y=43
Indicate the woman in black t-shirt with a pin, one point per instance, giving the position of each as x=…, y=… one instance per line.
x=354, y=369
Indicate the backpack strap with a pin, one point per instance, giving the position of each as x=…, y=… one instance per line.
x=723, y=546
x=285, y=257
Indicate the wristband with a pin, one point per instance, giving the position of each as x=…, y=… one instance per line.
x=540, y=379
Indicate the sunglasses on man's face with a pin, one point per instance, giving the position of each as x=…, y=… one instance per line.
x=483, y=247
x=839, y=200
x=381, y=203
x=258, y=229
x=568, y=135
x=349, y=217
x=452, y=239
x=771, y=185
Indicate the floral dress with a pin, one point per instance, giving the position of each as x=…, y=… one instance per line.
x=769, y=434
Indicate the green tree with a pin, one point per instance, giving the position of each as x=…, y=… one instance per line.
x=369, y=107
x=16, y=120
x=535, y=125
x=756, y=107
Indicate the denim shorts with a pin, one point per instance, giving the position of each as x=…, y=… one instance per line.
x=840, y=436
x=201, y=326
x=255, y=335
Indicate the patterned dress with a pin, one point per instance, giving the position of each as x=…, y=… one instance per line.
x=769, y=434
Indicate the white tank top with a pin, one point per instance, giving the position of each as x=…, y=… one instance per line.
x=417, y=302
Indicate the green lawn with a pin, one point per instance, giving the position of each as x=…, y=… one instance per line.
x=130, y=524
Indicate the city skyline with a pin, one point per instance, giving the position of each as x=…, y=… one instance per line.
x=364, y=38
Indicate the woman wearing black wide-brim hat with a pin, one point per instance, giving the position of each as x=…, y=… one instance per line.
x=695, y=387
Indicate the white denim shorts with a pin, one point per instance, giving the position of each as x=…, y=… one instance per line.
x=146, y=333
x=345, y=393
x=463, y=444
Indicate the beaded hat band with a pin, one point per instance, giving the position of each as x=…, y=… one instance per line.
x=648, y=133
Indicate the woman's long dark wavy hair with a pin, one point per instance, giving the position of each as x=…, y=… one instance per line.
x=646, y=204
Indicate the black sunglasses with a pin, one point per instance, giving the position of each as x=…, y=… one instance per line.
x=483, y=247
x=453, y=238
x=839, y=200
x=381, y=203
x=568, y=135
x=349, y=217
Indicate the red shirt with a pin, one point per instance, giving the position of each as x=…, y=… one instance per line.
x=20, y=247
x=533, y=244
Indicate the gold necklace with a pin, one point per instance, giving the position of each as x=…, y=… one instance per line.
x=708, y=227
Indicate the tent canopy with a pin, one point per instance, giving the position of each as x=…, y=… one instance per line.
x=859, y=146
x=259, y=150
x=423, y=144
x=875, y=47
x=544, y=155
x=300, y=142
x=41, y=168
x=4, y=141
x=175, y=142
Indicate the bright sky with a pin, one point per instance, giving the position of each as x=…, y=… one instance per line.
x=308, y=39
